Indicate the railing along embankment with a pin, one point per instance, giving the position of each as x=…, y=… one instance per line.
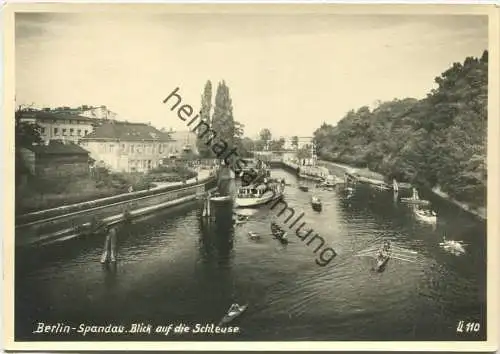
x=67, y=221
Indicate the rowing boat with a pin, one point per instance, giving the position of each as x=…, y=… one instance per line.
x=426, y=216
x=279, y=233
x=253, y=235
x=234, y=311
x=415, y=201
x=382, y=260
x=316, y=204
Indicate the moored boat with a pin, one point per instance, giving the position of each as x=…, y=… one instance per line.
x=221, y=198
x=427, y=216
x=415, y=199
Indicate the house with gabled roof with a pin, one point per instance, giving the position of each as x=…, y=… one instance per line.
x=128, y=147
x=55, y=159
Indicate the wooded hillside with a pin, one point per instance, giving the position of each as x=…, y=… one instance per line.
x=436, y=141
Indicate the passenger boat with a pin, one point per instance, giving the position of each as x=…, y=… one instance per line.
x=427, y=216
x=234, y=311
x=256, y=195
x=316, y=203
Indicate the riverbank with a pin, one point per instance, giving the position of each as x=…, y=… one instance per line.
x=39, y=194
x=341, y=168
x=62, y=222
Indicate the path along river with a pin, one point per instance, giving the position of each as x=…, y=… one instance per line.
x=173, y=268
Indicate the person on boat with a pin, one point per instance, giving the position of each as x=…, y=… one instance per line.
x=234, y=309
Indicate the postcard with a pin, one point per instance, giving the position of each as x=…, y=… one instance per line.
x=251, y=177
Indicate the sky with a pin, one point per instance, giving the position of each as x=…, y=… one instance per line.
x=288, y=73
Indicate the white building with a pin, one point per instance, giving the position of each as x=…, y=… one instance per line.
x=65, y=125
x=128, y=147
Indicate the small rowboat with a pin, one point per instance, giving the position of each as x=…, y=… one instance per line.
x=253, y=235
x=316, y=204
x=279, y=233
x=415, y=201
x=382, y=261
x=234, y=311
x=426, y=216
x=453, y=246
x=221, y=199
x=304, y=188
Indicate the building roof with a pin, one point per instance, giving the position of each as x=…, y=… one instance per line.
x=56, y=115
x=58, y=148
x=125, y=131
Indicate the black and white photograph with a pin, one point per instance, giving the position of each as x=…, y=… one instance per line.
x=243, y=174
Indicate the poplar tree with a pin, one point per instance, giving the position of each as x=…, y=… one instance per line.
x=206, y=107
x=223, y=121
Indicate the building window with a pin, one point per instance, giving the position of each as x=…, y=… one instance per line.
x=64, y=131
x=71, y=131
x=132, y=148
x=86, y=132
x=79, y=132
x=111, y=147
x=56, y=131
x=123, y=147
x=160, y=148
x=42, y=130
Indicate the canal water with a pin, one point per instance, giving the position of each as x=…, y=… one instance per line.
x=174, y=268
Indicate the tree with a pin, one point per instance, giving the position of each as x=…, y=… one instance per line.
x=26, y=133
x=436, y=141
x=277, y=144
x=265, y=135
x=295, y=142
x=206, y=106
x=223, y=124
x=304, y=152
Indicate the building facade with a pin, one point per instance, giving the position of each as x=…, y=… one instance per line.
x=183, y=141
x=56, y=159
x=302, y=142
x=128, y=147
x=64, y=125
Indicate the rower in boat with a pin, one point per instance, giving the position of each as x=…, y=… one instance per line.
x=278, y=233
x=234, y=311
x=316, y=203
x=253, y=235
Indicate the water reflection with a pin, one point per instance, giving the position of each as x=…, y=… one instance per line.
x=179, y=265
x=216, y=239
